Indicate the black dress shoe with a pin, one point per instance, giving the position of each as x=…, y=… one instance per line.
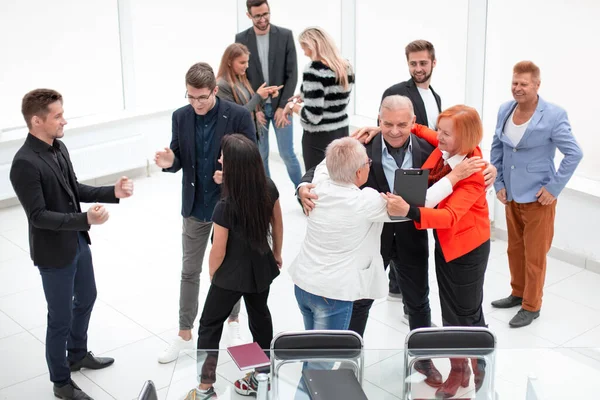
x=523, y=318
x=91, y=362
x=508, y=302
x=70, y=391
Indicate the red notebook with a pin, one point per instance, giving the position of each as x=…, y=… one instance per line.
x=248, y=356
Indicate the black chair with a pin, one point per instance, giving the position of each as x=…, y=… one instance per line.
x=452, y=342
x=315, y=346
x=148, y=391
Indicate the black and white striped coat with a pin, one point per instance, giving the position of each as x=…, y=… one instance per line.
x=325, y=100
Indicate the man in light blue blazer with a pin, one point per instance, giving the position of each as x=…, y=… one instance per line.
x=528, y=132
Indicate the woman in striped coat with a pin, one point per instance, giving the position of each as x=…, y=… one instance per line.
x=325, y=93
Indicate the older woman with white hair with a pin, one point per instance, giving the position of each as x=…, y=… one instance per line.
x=339, y=261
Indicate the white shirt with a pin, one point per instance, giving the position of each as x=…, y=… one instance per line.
x=452, y=162
x=340, y=257
x=513, y=131
x=431, y=106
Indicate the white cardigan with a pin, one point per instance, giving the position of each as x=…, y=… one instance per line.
x=340, y=257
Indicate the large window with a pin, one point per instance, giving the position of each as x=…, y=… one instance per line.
x=70, y=46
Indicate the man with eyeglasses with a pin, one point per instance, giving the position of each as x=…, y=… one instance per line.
x=272, y=60
x=195, y=148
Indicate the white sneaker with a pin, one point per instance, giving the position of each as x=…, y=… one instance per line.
x=171, y=353
x=233, y=333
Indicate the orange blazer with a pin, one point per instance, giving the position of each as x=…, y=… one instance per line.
x=462, y=219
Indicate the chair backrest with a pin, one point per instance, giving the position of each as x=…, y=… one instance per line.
x=148, y=391
x=448, y=342
x=315, y=344
x=472, y=340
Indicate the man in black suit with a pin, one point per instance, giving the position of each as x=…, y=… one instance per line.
x=43, y=179
x=272, y=60
x=420, y=56
x=195, y=148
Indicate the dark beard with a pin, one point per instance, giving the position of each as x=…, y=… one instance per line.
x=262, y=30
x=424, y=79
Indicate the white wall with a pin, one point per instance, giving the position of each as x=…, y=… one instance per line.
x=562, y=39
x=68, y=45
x=384, y=28
x=170, y=36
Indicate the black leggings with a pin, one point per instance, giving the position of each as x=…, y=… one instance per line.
x=314, y=145
x=217, y=307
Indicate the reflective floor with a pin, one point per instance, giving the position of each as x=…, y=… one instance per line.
x=137, y=258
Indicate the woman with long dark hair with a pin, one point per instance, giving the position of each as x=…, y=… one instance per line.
x=244, y=259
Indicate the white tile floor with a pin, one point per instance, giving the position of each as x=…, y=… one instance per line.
x=137, y=262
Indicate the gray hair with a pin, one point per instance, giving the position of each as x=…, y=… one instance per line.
x=396, y=102
x=343, y=158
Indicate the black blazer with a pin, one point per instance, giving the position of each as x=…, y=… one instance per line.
x=410, y=90
x=399, y=240
x=232, y=118
x=283, y=67
x=53, y=211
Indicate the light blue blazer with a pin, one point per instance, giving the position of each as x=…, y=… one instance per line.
x=523, y=169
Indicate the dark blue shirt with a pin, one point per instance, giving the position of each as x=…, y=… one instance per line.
x=207, y=191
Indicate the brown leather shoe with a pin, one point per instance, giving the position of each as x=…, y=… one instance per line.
x=427, y=368
x=459, y=376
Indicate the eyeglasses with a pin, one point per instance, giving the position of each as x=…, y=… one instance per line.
x=369, y=162
x=199, y=99
x=258, y=17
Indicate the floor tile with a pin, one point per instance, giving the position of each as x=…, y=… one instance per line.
x=134, y=364
x=558, y=322
x=17, y=275
x=23, y=359
x=9, y=250
x=582, y=288
x=40, y=388
x=27, y=308
x=8, y=327
x=106, y=319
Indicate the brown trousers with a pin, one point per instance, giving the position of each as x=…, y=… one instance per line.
x=530, y=233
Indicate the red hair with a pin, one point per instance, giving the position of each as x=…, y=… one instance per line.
x=467, y=126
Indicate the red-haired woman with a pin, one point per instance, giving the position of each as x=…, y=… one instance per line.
x=461, y=228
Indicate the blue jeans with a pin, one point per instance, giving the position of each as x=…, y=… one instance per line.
x=320, y=313
x=285, y=143
x=70, y=294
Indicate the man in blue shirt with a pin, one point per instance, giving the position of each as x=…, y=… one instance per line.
x=195, y=148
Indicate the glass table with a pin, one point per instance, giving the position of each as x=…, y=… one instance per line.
x=531, y=374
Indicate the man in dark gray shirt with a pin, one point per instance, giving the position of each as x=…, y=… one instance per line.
x=272, y=60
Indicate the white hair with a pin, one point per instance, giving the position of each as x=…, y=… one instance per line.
x=343, y=158
x=396, y=102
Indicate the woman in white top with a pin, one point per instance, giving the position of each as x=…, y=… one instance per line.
x=339, y=261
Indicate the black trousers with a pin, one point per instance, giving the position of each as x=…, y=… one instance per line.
x=314, y=145
x=70, y=294
x=217, y=307
x=414, y=285
x=461, y=286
